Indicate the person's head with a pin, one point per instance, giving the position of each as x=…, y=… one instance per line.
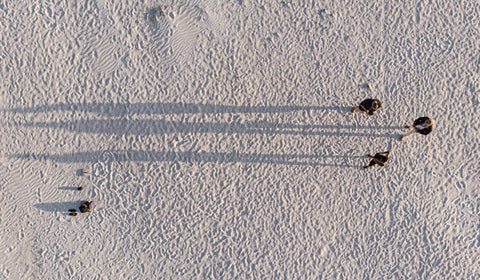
x=375, y=105
x=429, y=122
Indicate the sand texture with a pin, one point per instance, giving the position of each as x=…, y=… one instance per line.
x=217, y=139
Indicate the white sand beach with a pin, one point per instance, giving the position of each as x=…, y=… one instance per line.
x=218, y=141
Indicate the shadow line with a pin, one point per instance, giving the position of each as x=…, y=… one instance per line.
x=166, y=156
x=58, y=206
x=154, y=127
x=68, y=188
x=121, y=109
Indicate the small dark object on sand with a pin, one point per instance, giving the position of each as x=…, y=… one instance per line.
x=86, y=206
x=82, y=172
x=73, y=214
x=72, y=210
x=79, y=188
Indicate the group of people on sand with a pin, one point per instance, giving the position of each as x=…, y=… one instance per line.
x=423, y=125
x=85, y=206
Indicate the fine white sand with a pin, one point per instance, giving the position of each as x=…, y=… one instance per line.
x=219, y=141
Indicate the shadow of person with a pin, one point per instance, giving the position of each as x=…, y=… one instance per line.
x=151, y=126
x=112, y=109
x=191, y=157
x=158, y=127
x=58, y=206
x=68, y=188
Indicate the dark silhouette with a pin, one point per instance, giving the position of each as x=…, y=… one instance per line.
x=86, y=206
x=369, y=106
x=378, y=158
x=423, y=125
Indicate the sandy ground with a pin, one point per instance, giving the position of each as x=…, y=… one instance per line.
x=219, y=143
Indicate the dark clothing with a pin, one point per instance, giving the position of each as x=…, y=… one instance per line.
x=378, y=158
x=86, y=207
x=367, y=106
x=383, y=159
x=420, y=121
x=372, y=163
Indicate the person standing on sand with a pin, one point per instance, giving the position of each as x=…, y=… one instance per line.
x=369, y=106
x=86, y=206
x=378, y=158
x=423, y=125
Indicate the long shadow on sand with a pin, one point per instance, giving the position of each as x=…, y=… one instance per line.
x=122, y=109
x=58, y=206
x=154, y=127
x=125, y=125
x=168, y=156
